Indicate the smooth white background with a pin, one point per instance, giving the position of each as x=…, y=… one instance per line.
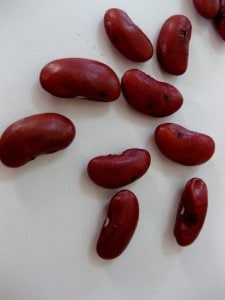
x=50, y=211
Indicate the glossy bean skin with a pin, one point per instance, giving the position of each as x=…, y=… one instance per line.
x=191, y=212
x=117, y=170
x=220, y=20
x=149, y=96
x=119, y=226
x=126, y=36
x=173, y=44
x=207, y=8
x=35, y=135
x=73, y=77
x=182, y=145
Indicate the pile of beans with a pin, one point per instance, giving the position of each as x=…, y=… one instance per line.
x=45, y=133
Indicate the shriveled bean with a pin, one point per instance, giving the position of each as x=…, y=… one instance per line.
x=119, y=226
x=72, y=77
x=191, y=212
x=149, y=96
x=34, y=135
x=117, y=170
x=183, y=145
x=126, y=36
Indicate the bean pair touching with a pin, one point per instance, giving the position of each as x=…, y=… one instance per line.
x=208, y=9
x=94, y=80
x=213, y=10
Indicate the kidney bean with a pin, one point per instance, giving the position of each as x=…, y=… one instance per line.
x=116, y=170
x=173, y=44
x=220, y=20
x=207, y=8
x=34, y=135
x=119, y=226
x=191, y=212
x=183, y=145
x=126, y=36
x=149, y=96
x=72, y=77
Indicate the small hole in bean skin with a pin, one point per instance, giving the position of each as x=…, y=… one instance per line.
x=102, y=94
x=180, y=134
x=183, y=34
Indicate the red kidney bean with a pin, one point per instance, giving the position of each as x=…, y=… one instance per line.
x=191, y=212
x=149, y=96
x=173, y=44
x=207, y=8
x=220, y=20
x=72, y=77
x=119, y=225
x=32, y=136
x=116, y=170
x=183, y=145
x=126, y=36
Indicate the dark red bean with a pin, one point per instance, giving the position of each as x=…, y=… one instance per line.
x=173, y=44
x=126, y=36
x=183, y=145
x=119, y=225
x=149, y=96
x=116, y=170
x=72, y=77
x=191, y=212
x=220, y=20
x=32, y=136
x=207, y=8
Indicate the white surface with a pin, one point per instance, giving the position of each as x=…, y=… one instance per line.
x=51, y=213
